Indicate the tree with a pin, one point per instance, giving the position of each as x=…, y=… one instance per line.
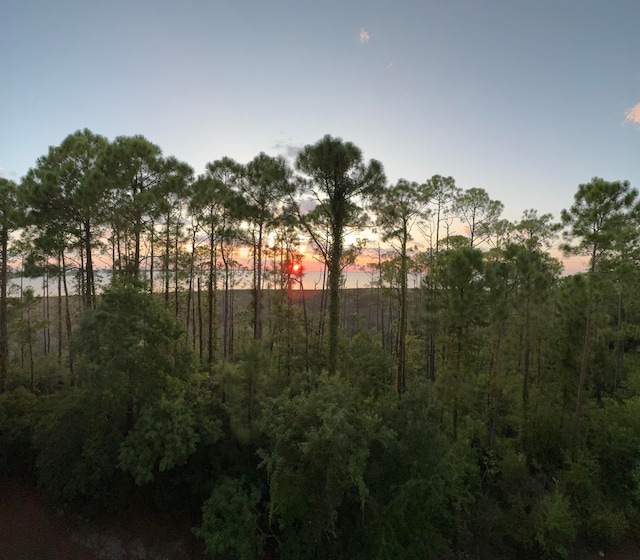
x=397, y=210
x=535, y=272
x=338, y=180
x=11, y=217
x=67, y=201
x=215, y=205
x=319, y=443
x=173, y=191
x=265, y=185
x=439, y=191
x=135, y=407
x=599, y=214
x=138, y=178
x=478, y=212
x=459, y=274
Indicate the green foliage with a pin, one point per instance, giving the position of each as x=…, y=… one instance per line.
x=482, y=449
x=137, y=407
x=557, y=527
x=366, y=365
x=504, y=523
x=131, y=345
x=316, y=460
x=422, y=486
x=163, y=437
x=545, y=434
x=83, y=463
x=231, y=520
x=339, y=180
x=18, y=415
x=243, y=385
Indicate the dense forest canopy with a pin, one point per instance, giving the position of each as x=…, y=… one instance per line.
x=492, y=411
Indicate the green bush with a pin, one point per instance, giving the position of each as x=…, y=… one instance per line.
x=557, y=526
x=18, y=415
x=230, y=520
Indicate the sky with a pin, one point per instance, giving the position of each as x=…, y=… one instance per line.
x=523, y=99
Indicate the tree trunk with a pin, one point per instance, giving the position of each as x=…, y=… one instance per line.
x=152, y=257
x=90, y=290
x=200, y=340
x=4, y=331
x=67, y=311
x=59, y=312
x=334, y=293
x=583, y=374
x=257, y=326
x=401, y=382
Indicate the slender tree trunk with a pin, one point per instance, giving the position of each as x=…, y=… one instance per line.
x=67, y=312
x=257, y=286
x=165, y=264
x=137, y=232
x=527, y=358
x=81, y=276
x=200, y=339
x=493, y=395
x=90, y=291
x=583, y=374
x=380, y=302
x=401, y=382
x=585, y=348
x=44, y=312
x=211, y=300
x=193, y=318
x=152, y=256
x=4, y=331
x=322, y=310
x=227, y=307
x=190, y=295
x=47, y=314
x=231, y=340
x=176, y=266
x=619, y=345
x=306, y=328
x=30, y=346
x=334, y=292
x=59, y=312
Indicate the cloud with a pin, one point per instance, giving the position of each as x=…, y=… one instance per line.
x=633, y=114
x=364, y=35
x=290, y=151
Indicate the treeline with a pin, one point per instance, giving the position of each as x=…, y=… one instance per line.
x=494, y=415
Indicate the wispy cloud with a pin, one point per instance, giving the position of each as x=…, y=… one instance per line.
x=633, y=114
x=287, y=149
x=364, y=35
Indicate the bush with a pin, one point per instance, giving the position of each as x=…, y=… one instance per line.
x=557, y=526
x=18, y=415
x=230, y=520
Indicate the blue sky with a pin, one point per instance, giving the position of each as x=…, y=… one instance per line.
x=524, y=99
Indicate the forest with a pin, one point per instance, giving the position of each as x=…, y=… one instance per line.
x=487, y=409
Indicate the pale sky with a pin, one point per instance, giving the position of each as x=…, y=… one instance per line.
x=525, y=99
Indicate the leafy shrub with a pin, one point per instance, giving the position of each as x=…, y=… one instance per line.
x=557, y=526
x=230, y=520
x=319, y=446
x=18, y=415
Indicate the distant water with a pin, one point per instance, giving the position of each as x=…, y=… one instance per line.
x=311, y=280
